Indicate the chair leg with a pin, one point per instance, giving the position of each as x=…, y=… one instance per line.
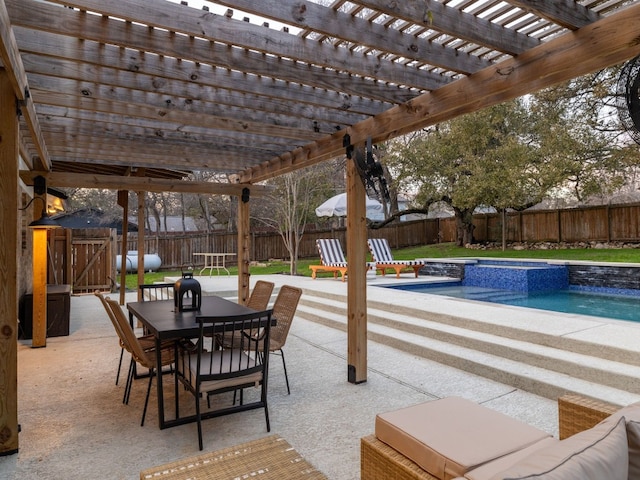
x=146, y=400
x=176, y=392
x=286, y=377
x=127, y=388
x=119, y=365
x=266, y=416
x=199, y=421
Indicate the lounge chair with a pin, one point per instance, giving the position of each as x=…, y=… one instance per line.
x=332, y=258
x=381, y=253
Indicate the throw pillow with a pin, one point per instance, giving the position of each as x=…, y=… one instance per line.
x=595, y=454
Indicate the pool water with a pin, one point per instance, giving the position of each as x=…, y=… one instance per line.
x=621, y=307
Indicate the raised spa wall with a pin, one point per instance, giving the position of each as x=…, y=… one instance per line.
x=583, y=275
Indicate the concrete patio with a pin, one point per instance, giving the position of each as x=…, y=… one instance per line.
x=74, y=424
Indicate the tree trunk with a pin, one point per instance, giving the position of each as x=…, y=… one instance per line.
x=464, y=226
x=504, y=229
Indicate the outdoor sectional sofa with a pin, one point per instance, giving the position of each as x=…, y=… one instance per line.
x=453, y=438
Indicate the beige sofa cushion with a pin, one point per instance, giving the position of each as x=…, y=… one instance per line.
x=450, y=436
x=596, y=454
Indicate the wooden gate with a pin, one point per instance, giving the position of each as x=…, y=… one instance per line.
x=84, y=258
x=59, y=256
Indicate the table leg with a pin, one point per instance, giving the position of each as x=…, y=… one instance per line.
x=208, y=261
x=159, y=384
x=224, y=266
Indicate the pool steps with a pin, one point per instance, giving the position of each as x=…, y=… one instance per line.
x=549, y=365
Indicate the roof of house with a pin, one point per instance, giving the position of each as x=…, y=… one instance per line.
x=90, y=217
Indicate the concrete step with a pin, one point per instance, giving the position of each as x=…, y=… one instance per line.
x=507, y=331
x=503, y=355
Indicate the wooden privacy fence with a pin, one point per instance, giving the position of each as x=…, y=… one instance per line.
x=605, y=223
x=601, y=223
x=176, y=250
x=85, y=258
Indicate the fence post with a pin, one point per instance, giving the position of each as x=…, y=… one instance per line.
x=559, y=226
x=608, y=223
x=520, y=232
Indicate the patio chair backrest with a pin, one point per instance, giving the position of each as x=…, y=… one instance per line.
x=284, y=309
x=380, y=250
x=330, y=251
x=156, y=291
x=128, y=337
x=260, y=295
x=114, y=320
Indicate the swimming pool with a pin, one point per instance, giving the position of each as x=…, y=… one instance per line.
x=595, y=302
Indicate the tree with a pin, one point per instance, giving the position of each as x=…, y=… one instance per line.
x=564, y=140
x=291, y=205
x=484, y=158
x=578, y=128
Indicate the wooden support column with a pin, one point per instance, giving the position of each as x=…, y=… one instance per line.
x=9, y=193
x=244, y=247
x=141, y=207
x=39, y=268
x=357, y=277
x=123, y=201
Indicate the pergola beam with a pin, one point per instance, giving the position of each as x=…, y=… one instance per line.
x=568, y=13
x=607, y=42
x=210, y=43
x=142, y=184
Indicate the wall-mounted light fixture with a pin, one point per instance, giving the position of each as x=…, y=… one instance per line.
x=45, y=221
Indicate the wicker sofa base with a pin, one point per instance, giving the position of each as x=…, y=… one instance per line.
x=378, y=461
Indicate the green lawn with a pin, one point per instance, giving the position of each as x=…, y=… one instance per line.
x=443, y=250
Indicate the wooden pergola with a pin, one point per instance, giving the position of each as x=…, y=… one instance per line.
x=134, y=95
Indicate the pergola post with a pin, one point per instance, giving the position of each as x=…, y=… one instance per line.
x=123, y=201
x=357, y=277
x=244, y=244
x=9, y=255
x=141, y=206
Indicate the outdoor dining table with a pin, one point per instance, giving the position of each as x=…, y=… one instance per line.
x=214, y=260
x=163, y=320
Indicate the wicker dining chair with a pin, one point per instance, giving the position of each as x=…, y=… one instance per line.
x=284, y=309
x=139, y=355
x=147, y=342
x=258, y=300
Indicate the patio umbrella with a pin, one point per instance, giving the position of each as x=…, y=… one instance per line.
x=336, y=206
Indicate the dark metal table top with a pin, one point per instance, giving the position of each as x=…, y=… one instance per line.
x=164, y=321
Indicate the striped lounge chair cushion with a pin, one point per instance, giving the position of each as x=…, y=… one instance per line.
x=381, y=253
x=331, y=253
